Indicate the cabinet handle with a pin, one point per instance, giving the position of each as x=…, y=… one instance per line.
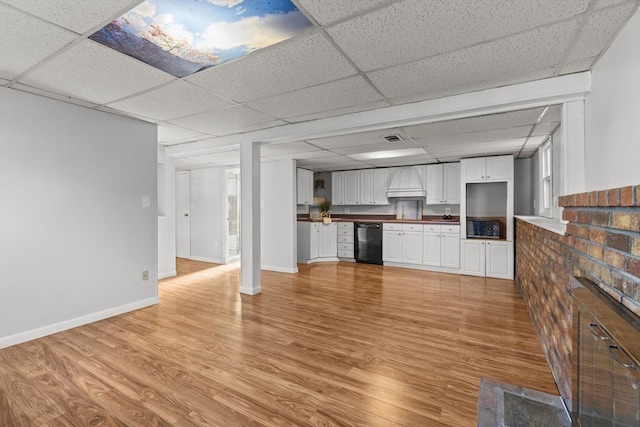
x=592, y=327
x=612, y=350
x=488, y=177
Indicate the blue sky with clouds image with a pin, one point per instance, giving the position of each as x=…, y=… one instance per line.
x=225, y=28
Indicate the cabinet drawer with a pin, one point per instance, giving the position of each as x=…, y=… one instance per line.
x=392, y=227
x=348, y=246
x=345, y=254
x=431, y=227
x=345, y=225
x=450, y=229
x=345, y=231
x=411, y=227
x=345, y=239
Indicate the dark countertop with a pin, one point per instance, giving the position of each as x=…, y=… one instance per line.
x=386, y=218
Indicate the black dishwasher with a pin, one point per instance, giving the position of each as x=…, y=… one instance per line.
x=368, y=242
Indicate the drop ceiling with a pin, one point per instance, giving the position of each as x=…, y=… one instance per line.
x=358, y=56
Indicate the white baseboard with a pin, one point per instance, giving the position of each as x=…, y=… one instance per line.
x=279, y=269
x=205, y=259
x=167, y=274
x=312, y=261
x=74, y=323
x=423, y=267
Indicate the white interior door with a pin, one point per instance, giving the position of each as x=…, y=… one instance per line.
x=183, y=212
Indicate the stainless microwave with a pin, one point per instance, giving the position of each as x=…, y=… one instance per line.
x=483, y=228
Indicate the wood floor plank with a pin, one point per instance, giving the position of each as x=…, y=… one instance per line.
x=338, y=344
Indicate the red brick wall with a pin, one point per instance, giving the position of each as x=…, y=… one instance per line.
x=602, y=243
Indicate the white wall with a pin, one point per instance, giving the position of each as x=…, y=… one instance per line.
x=278, y=235
x=166, y=215
x=522, y=186
x=208, y=216
x=612, y=114
x=74, y=237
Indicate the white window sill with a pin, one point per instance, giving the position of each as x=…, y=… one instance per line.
x=555, y=225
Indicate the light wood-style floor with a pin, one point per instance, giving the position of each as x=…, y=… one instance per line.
x=335, y=345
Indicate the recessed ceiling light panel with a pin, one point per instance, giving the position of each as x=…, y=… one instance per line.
x=388, y=154
x=184, y=37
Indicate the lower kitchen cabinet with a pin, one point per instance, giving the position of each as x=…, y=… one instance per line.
x=488, y=258
x=402, y=243
x=317, y=242
x=441, y=246
x=345, y=241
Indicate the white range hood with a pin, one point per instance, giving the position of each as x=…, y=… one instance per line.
x=406, y=182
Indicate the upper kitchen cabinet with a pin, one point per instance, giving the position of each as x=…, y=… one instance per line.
x=305, y=187
x=494, y=168
x=443, y=184
x=373, y=187
x=337, y=188
x=352, y=187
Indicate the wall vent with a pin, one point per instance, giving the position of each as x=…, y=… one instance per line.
x=393, y=138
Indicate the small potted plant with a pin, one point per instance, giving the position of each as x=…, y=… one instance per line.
x=325, y=211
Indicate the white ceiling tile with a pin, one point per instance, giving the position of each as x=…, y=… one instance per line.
x=599, y=29
x=475, y=137
x=52, y=95
x=553, y=114
x=413, y=29
x=329, y=96
x=326, y=11
x=478, y=152
x=535, y=141
x=522, y=54
x=170, y=134
x=222, y=157
x=402, y=161
x=287, y=148
x=25, y=41
x=227, y=119
x=307, y=155
x=577, y=66
x=76, y=15
x=369, y=148
x=514, y=143
x=363, y=138
x=340, y=111
x=323, y=160
x=4, y=81
x=475, y=124
x=291, y=65
x=332, y=166
x=176, y=99
x=544, y=129
x=252, y=127
x=606, y=3
x=95, y=73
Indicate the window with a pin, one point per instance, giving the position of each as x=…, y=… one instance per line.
x=546, y=187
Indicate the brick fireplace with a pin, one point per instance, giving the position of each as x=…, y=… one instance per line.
x=602, y=243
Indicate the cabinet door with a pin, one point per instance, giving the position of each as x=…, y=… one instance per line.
x=305, y=187
x=366, y=186
x=431, y=248
x=412, y=247
x=337, y=188
x=392, y=246
x=472, y=257
x=434, y=185
x=499, y=167
x=451, y=183
x=328, y=240
x=314, y=243
x=450, y=250
x=352, y=187
x=499, y=259
x=473, y=169
x=380, y=178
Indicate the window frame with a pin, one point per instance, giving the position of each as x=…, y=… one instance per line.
x=546, y=178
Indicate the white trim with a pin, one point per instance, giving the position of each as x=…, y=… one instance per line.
x=74, y=323
x=167, y=274
x=206, y=259
x=279, y=269
x=555, y=90
x=332, y=259
x=555, y=225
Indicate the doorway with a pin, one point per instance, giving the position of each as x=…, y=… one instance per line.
x=233, y=214
x=183, y=210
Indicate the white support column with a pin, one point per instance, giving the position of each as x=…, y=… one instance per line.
x=250, y=218
x=573, y=152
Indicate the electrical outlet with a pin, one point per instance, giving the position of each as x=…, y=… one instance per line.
x=145, y=275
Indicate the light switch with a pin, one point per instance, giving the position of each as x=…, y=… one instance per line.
x=146, y=202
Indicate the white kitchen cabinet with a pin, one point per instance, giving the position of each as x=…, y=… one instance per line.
x=487, y=258
x=494, y=168
x=352, y=187
x=305, y=187
x=443, y=184
x=337, y=188
x=402, y=243
x=317, y=242
x=345, y=240
x=373, y=187
x=441, y=246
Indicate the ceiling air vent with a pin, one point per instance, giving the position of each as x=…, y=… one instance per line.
x=393, y=138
